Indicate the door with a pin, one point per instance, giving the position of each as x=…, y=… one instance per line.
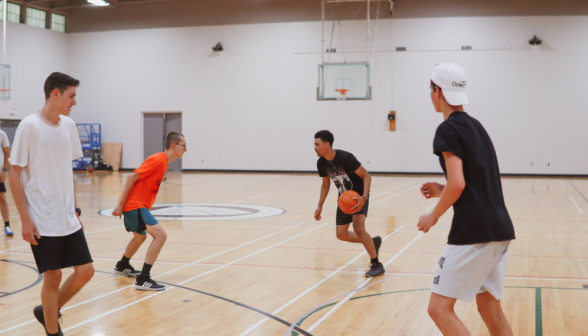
x=153, y=134
x=155, y=127
x=173, y=123
x=9, y=126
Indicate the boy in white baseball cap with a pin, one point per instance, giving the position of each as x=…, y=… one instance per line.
x=473, y=264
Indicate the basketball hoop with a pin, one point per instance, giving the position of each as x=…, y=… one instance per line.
x=342, y=94
x=4, y=94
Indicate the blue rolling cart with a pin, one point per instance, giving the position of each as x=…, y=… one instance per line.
x=91, y=139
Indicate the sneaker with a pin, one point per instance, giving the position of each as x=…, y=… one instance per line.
x=375, y=270
x=128, y=269
x=8, y=231
x=377, y=243
x=148, y=284
x=40, y=316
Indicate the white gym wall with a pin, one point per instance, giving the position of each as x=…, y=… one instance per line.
x=33, y=54
x=253, y=106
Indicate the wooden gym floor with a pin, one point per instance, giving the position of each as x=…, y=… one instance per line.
x=257, y=276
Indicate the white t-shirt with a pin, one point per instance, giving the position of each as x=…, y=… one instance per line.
x=3, y=144
x=46, y=153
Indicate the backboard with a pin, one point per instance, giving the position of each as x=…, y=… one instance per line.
x=351, y=78
x=4, y=81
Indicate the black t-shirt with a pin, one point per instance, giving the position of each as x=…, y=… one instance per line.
x=480, y=215
x=342, y=171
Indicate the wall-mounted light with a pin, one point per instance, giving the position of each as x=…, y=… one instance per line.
x=218, y=47
x=535, y=41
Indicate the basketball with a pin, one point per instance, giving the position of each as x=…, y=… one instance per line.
x=346, y=201
x=90, y=169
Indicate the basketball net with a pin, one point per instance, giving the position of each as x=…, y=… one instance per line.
x=342, y=94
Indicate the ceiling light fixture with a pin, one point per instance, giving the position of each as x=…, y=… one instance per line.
x=98, y=2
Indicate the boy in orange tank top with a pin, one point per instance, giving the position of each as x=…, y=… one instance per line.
x=139, y=194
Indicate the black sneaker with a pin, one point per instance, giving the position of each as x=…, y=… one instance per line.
x=125, y=269
x=40, y=316
x=375, y=270
x=377, y=243
x=148, y=284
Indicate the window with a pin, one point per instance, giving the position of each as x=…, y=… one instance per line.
x=12, y=12
x=58, y=22
x=36, y=17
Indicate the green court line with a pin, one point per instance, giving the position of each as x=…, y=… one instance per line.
x=538, y=304
x=295, y=333
x=538, y=313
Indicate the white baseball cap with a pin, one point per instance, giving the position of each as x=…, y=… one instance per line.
x=452, y=79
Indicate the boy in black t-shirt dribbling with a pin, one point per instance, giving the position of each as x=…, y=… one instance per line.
x=347, y=174
x=473, y=264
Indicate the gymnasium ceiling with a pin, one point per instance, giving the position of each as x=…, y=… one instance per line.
x=140, y=14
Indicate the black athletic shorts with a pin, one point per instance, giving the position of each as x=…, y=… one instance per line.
x=344, y=219
x=2, y=187
x=54, y=253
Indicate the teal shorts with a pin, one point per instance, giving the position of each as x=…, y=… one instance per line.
x=138, y=219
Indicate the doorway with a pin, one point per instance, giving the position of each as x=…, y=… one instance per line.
x=9, y=126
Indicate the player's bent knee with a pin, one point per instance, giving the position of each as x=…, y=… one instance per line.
x=157, y=232
x=85, y=272
x=360, y=231
x=434, y=311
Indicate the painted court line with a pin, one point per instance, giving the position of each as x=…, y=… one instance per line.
x=507, y=277
x=250, y=255
x=165, y=190
x=346, y=298
x=576, y=204
x=337, y=271
x=562, y=185
x=115, y=259
x=247, y=199
x=117, y=309
x=403, y=249
x=518, y=234
x=196, y=277
x=225, y=225
x=389, y=197
x=579, y=192
x=340, y=303
x=15, y=248
x=312, y=287
x=157, y=276
x=432, y=206
x=28, y=245
x=341, y=296
x=385, y=192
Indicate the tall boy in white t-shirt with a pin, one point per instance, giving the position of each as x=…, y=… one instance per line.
x=42, y=185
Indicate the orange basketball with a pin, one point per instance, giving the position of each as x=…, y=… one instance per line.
x=346, y=201
x=90, y=169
